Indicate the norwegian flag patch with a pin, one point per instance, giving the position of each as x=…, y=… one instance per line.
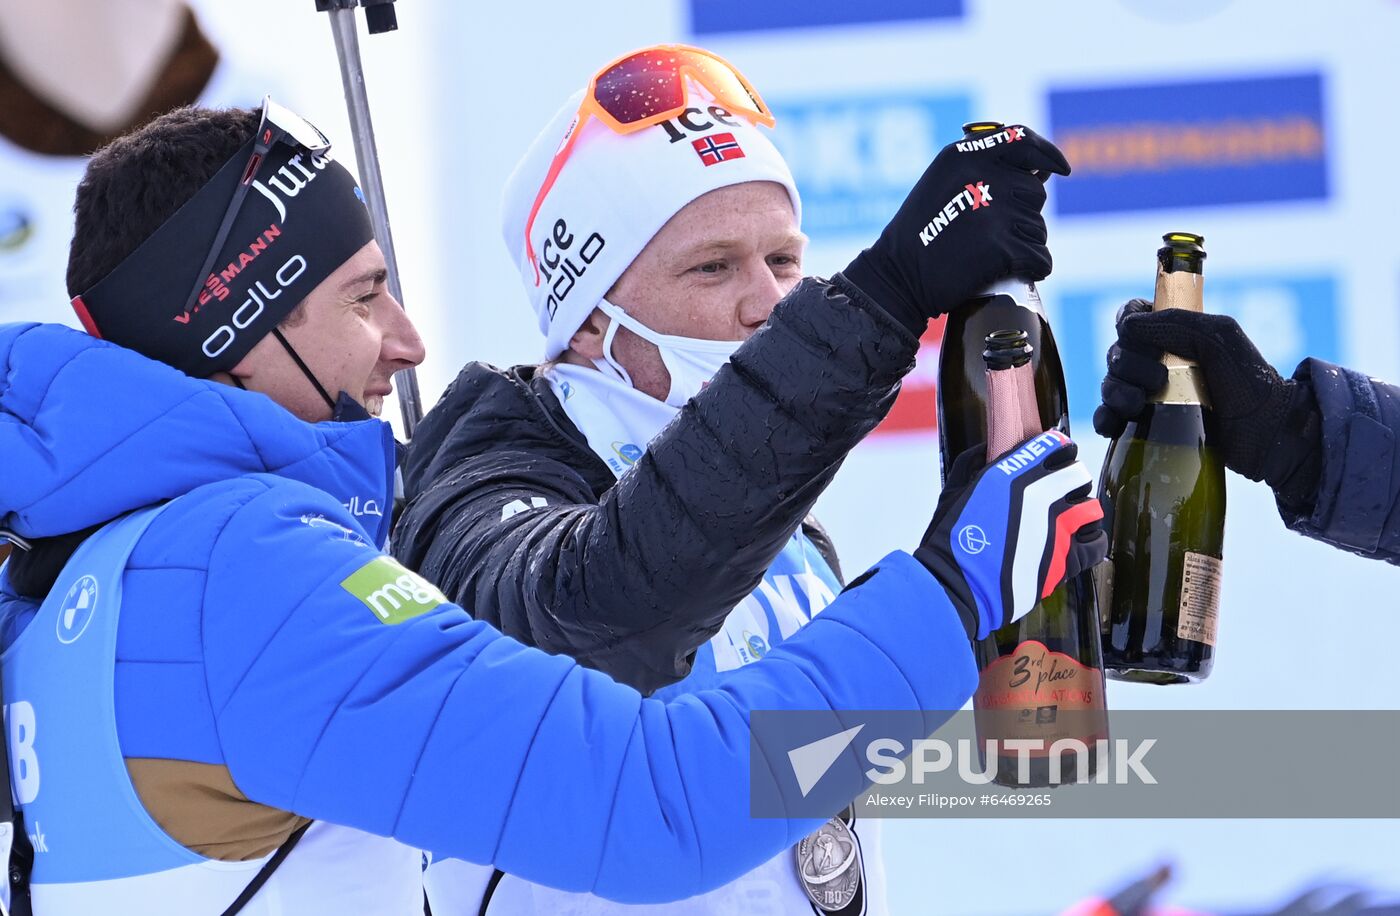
x=717, y=148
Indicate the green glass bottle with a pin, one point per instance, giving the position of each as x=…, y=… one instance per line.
x=1163, y=494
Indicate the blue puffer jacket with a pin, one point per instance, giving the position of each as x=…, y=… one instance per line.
x=241, y=644
x=1358, y=493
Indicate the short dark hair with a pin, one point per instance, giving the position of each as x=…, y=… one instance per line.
x=138, y=181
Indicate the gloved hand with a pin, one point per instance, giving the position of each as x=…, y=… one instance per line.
x=1267, y=427
x=1005, y=535
x=972, y=219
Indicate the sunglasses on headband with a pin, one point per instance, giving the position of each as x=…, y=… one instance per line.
x=645, y=88
x=278, y=125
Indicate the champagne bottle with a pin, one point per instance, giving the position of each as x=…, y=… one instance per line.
x=1041, y=678
x=1163, y=494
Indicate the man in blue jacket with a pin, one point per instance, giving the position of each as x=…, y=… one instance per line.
x=206, y=649
x=1323, y=440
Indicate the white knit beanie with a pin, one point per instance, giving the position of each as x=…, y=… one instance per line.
x=612, y=195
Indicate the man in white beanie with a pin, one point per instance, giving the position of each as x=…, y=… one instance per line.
x=640, y=501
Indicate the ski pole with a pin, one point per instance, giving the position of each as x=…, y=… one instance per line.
x=379, y=17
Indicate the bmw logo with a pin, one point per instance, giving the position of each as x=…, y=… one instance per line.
x=77, y=611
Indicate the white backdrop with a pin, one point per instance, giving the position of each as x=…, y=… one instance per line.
x=462, y=88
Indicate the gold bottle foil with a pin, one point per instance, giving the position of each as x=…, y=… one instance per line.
x=1180, y=289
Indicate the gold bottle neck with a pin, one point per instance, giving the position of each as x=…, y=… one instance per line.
x=1180, y=289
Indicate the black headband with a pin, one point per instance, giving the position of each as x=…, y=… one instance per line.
x=302, y=218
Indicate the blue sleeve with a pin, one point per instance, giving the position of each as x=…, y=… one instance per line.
x=1358, y=494
x=441, y=732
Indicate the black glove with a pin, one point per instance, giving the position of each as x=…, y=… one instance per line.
x=1004, y=536
x=1266, y=427
x=973, y=219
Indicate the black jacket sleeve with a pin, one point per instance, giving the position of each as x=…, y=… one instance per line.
x=631, y=578
x=1357, y=507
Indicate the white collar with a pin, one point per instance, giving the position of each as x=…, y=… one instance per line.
x=618, y=421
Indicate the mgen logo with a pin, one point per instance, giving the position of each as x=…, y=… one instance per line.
x=391, y=591
x=1191, y=144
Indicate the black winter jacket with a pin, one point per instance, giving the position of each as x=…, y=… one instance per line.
x=511, y=513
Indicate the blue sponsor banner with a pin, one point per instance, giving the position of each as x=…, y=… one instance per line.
x=709, y=16
x=1197, y=144
x=1288, y=318
x=855, y=158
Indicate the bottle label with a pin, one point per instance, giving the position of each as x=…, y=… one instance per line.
x=1034, y=692
x=1200, y=598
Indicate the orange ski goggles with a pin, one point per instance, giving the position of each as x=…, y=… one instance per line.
x=644, y=88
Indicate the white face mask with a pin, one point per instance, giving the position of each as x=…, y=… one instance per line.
x=691, y=362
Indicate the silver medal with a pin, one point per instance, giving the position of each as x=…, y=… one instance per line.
x=829, y=866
